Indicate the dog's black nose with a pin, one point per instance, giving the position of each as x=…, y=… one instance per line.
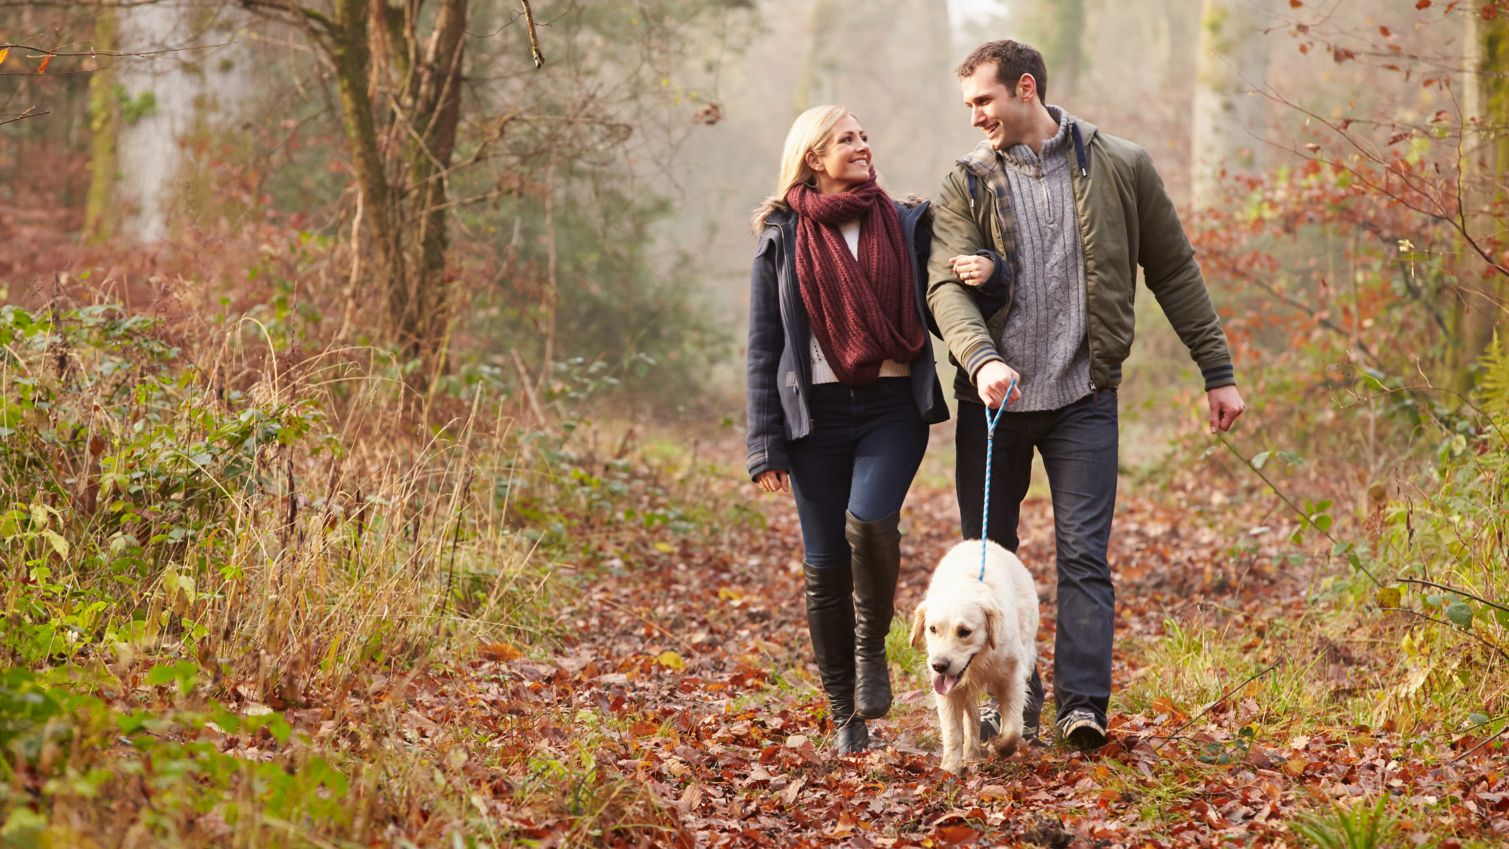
x=940, y=666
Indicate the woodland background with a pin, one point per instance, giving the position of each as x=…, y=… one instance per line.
x=371, y=407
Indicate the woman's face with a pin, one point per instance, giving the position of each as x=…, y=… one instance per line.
x=845, y=160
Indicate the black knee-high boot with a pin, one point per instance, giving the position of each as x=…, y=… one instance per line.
x=830, y=620
x=877, y=563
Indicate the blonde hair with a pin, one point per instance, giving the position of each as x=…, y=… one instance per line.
x=809, y=132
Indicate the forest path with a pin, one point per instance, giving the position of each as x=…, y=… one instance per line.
x=684, y=711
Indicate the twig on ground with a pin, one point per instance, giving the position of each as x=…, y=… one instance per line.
x=1502, y=732
x=1468, y=632
x=1224, y=696
x=1459, y=592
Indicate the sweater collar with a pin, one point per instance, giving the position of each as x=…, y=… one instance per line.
x=985, y=158
x=1022, y=157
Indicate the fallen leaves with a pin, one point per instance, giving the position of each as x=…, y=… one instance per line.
x=727, y=746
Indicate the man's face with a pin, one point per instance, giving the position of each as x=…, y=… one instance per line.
x=994, y=109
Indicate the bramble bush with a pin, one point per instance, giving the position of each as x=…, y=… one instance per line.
x=201, y=533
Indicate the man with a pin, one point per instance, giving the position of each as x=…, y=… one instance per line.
x=1070, y=212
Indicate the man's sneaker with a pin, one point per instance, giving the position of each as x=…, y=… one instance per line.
x=1032, y=737
x=1080, y=729
x=990, y=726
x=990, y=722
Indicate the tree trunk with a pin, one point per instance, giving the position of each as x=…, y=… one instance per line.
x=149, y=110
x=424, y=308
x=1232, y=61
x=1063, y=50
x=1484, y=301
x=100, y=218
x=815, y=86
x=402, y=168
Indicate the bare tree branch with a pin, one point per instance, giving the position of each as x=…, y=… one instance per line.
x=534, y=37
x=291, y=13
x=31, y=112
x=114, y=53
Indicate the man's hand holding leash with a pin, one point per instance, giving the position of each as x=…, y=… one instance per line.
x=994, y=380
x=1226, y=406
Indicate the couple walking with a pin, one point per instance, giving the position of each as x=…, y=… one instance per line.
x=1026, y=266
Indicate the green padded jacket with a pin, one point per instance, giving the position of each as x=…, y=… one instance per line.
x=1125, y=220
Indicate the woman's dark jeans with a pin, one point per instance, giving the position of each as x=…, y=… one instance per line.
x=864, y=449
x=1078, y=444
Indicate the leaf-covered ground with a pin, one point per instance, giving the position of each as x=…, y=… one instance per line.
x=681, y=711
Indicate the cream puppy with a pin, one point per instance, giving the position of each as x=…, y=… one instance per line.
x=981, y=638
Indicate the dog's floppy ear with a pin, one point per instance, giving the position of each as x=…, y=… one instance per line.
x=990, y=628
x=919, y=621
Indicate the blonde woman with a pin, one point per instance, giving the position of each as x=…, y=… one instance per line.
x=841, y=390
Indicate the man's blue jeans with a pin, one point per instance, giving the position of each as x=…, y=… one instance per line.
x=1078, y=444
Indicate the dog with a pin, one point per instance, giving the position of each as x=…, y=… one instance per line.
x=981, y=639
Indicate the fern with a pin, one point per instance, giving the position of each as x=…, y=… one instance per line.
x=1493, y=389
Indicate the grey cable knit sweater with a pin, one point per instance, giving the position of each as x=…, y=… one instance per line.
x=1044, y=335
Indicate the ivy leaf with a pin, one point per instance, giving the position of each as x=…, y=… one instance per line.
x=1459, y=614
x=59, y=544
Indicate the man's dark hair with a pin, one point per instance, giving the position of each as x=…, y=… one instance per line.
x=1012, y=59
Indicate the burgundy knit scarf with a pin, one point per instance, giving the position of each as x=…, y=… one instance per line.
x=862, y=311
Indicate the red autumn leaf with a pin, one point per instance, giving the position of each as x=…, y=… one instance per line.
x=1385, y=32
x=957, y=834
x=46, y=60
x=499, y=652
x=1423, y=4
x=1295, y=4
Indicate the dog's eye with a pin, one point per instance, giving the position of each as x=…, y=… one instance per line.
x=932, y=629
x=964, y=632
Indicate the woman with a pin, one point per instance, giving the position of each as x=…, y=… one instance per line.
x=841, y=391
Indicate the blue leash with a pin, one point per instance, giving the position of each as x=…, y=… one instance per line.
x=990, y=450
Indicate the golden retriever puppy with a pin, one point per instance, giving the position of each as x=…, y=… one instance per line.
x=981, y=638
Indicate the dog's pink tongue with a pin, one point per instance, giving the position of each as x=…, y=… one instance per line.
x=942, y=684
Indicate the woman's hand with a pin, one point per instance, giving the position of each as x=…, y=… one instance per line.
x=972, y=270
x=773, y=480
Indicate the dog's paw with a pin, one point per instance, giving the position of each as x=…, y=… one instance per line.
x=953, y=765
x=1005, y=745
